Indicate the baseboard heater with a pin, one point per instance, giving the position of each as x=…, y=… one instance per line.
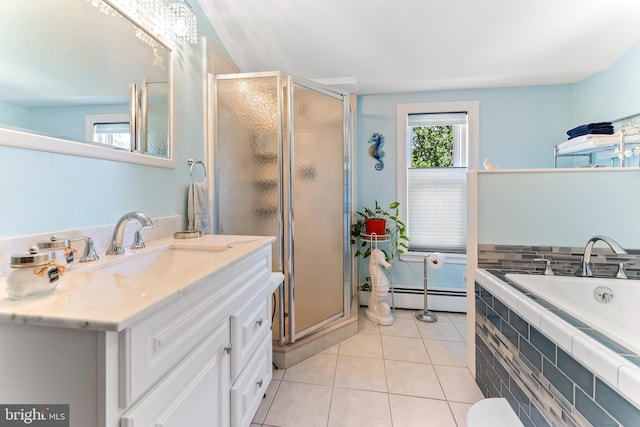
x=413, y=299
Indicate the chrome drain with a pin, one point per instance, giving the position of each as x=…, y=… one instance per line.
x=603, y=294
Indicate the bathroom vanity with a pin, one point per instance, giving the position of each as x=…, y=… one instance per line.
x=176, y=334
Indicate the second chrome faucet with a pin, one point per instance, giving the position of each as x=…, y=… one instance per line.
x=116, y=246
x=585, y=266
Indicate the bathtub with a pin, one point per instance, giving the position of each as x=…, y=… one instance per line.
x=603, y=337
x=585, y=299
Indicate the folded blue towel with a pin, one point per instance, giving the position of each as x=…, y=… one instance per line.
x=591, y=128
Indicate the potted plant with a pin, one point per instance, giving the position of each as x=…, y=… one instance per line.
x=395, y=231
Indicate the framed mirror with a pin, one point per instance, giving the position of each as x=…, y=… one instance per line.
x=79, y=71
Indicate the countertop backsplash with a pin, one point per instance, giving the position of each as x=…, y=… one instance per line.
x=162, y=227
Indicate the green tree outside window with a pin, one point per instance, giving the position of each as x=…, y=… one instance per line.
x=432, y=147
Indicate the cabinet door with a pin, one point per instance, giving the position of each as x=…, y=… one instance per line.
x=195, y=393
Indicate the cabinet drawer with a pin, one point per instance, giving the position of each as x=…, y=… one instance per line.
x=249, y=324
x=157, y=343
x=247, y=392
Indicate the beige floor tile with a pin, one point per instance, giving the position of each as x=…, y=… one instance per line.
x=458, y=384
x=443, y=317
x=366, y=326
x=457, y=317
x=319, y=369
x=404, y=349
x=408, y=374
x=459, y=411
x=401, y=328
x=362, y=373
x=449, y=353
x=462, y=329
x=332, y=350
x=404, y=314
x=413, y=379
x=365, y=345
x=408, y=411
x=261, y=413
x=441, y=330
x=299, y=404
x=278, y=373
x=354, y=408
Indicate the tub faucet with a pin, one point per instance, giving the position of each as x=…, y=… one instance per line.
x=585, y=267
x=116, y=247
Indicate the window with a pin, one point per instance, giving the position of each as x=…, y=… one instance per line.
x=436, y=143
x=117, y=135
x=113, y=130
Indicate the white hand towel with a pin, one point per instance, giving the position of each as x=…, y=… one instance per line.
x=198, y=207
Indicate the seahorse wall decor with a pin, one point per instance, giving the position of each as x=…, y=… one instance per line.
x=376, y=149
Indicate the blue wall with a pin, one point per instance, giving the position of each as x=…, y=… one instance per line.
x=611, y=94
x=44, y=192
x=518, y=128
x=69, y=122
x=567, y=208
x=558, y=207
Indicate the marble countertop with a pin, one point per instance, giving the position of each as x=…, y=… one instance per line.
x=88, y=298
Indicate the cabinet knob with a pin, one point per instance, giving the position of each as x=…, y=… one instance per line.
x=228, y=349
x=259, y=322
x=259, y=383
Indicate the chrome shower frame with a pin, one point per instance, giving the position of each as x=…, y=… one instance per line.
x=287, y=333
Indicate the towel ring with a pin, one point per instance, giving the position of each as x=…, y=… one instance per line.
x=193, y=162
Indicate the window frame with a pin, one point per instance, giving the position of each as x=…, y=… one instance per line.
x=94, y=120
x=403, y=145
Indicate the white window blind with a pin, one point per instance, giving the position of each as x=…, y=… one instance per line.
x=117, y=134
x=435, y=119
x=437, y=209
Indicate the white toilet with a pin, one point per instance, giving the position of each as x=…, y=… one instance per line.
x=493, y=412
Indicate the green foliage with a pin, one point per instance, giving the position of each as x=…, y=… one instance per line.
x=396, y=229
x=432, y=147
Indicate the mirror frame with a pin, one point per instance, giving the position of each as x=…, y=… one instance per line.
x=33, y=141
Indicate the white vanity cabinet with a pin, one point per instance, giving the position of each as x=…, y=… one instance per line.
x=199, y=358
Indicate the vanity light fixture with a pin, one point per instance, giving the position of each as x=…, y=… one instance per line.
x=170, y=21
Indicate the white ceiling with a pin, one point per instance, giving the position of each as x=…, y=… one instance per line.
x=379, y=46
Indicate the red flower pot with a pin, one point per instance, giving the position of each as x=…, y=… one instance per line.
x=376, y=226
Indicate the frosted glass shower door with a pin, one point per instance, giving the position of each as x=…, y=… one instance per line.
x=317, y=205
x=248, y=196
x=281, y=159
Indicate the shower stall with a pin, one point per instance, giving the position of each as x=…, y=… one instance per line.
x=282, y=168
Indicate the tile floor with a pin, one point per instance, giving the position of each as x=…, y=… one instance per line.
x=409, y=374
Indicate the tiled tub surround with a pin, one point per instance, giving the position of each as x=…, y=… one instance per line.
x=564, y=260
x=552, y=369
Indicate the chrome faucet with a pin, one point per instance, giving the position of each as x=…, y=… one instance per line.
x=585, y=267
x=116, y=247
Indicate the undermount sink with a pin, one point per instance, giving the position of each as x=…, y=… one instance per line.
x=166, y=261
